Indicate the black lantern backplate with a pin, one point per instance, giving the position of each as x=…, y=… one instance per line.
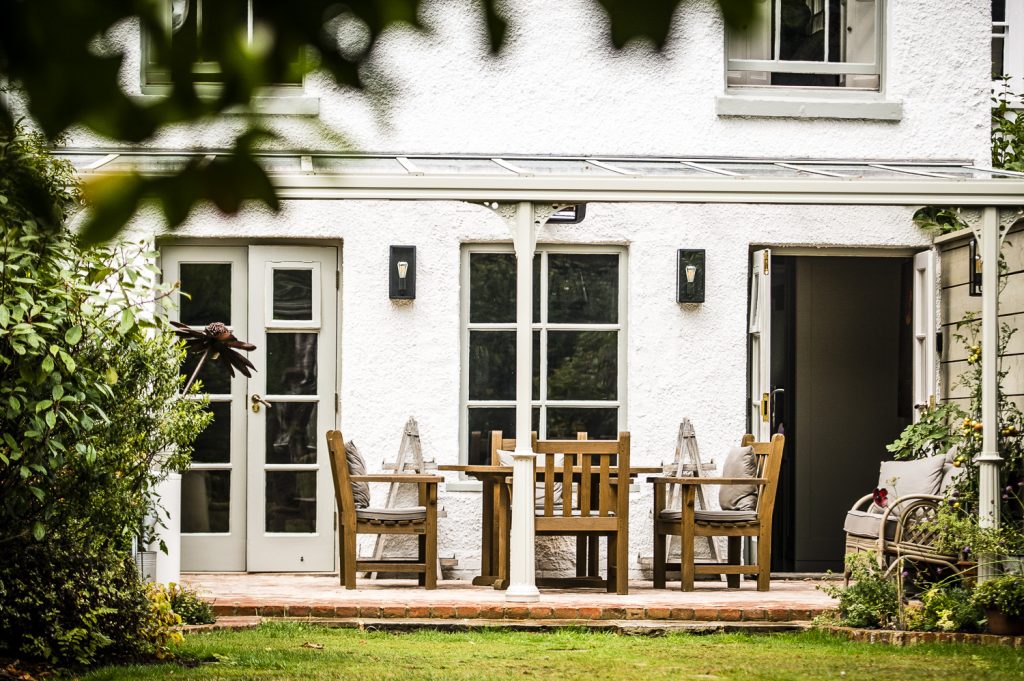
x=687, y=291
x=397, y=289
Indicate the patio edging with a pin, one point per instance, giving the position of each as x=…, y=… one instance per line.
x=910, y=638
x=519, y=612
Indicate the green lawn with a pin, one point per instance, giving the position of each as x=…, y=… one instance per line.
x=277, y=651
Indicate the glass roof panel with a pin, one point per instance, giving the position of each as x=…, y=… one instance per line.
x=458, y=166
x=281, y=164
x=148, y=163
x=754, y=169
x=659, y=168
x=79, y=161
x=959, y=172
x=569, y=167
x=352, y=165
x=855, y=170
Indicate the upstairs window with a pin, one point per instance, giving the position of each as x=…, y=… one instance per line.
x=808, y=43
x=194, y=24
x=1008, y=44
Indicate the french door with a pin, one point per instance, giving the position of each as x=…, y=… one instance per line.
x=258, y=496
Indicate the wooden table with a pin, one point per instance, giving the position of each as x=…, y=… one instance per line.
x=495, y=496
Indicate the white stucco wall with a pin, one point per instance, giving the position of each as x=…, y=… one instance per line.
x=402, y=359
x=559, y=89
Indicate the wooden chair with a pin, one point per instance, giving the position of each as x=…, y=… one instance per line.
x=582, y=495
x=688, y=523
x=417, y=520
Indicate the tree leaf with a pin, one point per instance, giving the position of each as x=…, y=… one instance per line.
x=48, y=364
x=73, y=335
x=127, y=321
x=38, y=530
x=5, y=316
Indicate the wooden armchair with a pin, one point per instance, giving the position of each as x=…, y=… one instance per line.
x=417, y=520
x=688, y=523
x=582, y=490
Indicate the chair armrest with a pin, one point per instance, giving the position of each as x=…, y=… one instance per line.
x=863, y=501
x=890, y=507
x=707, y=481
x=397, y=477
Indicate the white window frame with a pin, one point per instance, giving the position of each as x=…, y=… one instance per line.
x=776, y=65
x=1012, y=37
x=543, y=325
x=277, y=98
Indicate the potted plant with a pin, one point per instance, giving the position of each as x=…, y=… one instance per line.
x=1002, y=599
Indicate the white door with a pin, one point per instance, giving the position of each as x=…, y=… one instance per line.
x=759, y=331
x=258, y=495
x=924, y=332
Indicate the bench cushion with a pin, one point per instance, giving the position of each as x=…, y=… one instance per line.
x=865, y=524
x=505, y=459
x=713, y=516
x=356, y=466
x=916, y=476
x=392, y=514
x=741, y=462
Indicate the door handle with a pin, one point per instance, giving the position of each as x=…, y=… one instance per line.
x=256, y=401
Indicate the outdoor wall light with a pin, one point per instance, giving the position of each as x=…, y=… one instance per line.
x=973, y=269
x=402, y=273
x=690, y=276
x=570, y=215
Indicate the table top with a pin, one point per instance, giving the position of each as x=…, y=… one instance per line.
x=507, y=470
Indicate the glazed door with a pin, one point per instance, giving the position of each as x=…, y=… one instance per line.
x=925, y=324
x=258, y=495
x=759, y=330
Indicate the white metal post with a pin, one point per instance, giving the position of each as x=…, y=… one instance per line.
x=989, y=460
x=522, y=578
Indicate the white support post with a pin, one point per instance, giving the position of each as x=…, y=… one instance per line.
x=522, y=578
x=989, y=460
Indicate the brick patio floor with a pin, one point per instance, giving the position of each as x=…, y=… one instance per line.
x=320, y=595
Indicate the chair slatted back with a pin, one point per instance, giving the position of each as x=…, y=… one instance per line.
x=340, y=473
x=769, y=463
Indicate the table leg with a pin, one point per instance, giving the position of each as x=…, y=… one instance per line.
x=488, y=549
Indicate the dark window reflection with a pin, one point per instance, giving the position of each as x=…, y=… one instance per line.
x=483, y=420
x=293, y=294
x=214, y=444
x=802, y=29
x=583, y=289
x=582, y=365
x=291, y=501
x=215, y=375
x=209, y=293
x=291, y=363
x=291, y=432
x=205, y=501
x=492, y=287
x=492, y=365
x=598, y=424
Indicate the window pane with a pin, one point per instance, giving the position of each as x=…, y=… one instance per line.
x=220, y=18
x=583, y=289
x=582, y=365
x=205, y=501
x=291, y=432
x=492, y=365
x=492, y=287
x=598, y=424
x=215, y=374
x=291, y=501
x=214, y=444
x=484, y=420
x=209, y=293
x=293, y=294
x=291, y=363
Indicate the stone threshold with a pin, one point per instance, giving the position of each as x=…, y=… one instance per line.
x=504, y=613
x=911, y=638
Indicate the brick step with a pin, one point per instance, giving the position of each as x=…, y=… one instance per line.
x=519, y=612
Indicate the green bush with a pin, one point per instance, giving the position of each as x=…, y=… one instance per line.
x=89, y=409
x=871, y=600
x=1005, y=594
x=943, y=608
x=188, y=605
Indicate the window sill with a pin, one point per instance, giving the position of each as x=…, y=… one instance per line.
x=268, y=105
x=464, y=486
x=829, y=106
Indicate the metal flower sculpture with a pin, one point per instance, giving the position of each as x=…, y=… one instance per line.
x=215, y=342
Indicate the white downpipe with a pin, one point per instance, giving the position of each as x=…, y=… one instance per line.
x=522, y=578
x=989, y=460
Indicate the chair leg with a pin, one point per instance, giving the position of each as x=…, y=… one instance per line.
x=421, y=556
x=660, y=547
x=431, y=559
x=612, y=580
x=582, y=542
x=764, y=561
x=621, y=565
x=351, y=550
x=686, y=568
x=341, y=557
x=735, y=549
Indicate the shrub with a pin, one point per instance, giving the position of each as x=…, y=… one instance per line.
x=187, y=604
x=871, y=600
x=943, y=608
x=89, y=382
x=1005, y=594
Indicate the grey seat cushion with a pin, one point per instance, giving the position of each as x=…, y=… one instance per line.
x=713, y=516
x=741, y=462
x=916, y=476
x=356, y=466
x=866, y=524
x=392, y=514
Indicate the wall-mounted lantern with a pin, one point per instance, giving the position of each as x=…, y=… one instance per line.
x=402, y=273
x=690, y=271
x=973, y=269
x=570, y=215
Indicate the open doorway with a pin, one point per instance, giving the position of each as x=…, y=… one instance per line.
x=841, y=371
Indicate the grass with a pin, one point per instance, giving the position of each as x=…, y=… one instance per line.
x=289, y=651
